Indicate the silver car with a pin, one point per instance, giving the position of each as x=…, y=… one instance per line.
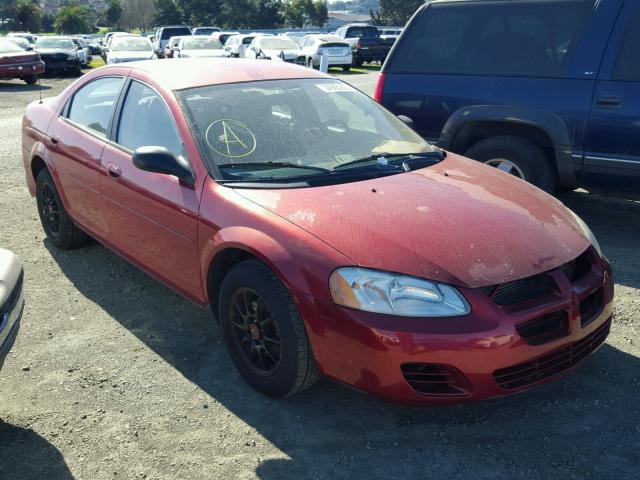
x=11, y=300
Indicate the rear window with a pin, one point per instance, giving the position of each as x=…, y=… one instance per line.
x=367, y=32
x=167, y=33
x=492, y=38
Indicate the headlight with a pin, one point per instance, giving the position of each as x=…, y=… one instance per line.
x=393, y=294
x=587, y=233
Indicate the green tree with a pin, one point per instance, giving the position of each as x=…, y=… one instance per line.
x=74, y=18
x=319, y=14
x=113, y=13
x=27, y=15
x=169, y=12
x=398, y=12
x=266, y=13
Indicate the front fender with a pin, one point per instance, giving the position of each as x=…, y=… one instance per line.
x=548, y=122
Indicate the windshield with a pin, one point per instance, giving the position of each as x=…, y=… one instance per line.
x=278, y=44
x=130, y=44
x=167, y=33
x=63, y=43
x=7, y=46
x=310, y=124
x=205, y=31
x=196, y=43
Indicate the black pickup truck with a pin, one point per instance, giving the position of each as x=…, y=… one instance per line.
x=366, y=44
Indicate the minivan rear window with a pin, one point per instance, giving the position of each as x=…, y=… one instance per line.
x=167, y=33
x=491, y=38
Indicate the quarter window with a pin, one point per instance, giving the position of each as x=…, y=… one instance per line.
x=627, y=65
x=93, y=105
x=146, y=121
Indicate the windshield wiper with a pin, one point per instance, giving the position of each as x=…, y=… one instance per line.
x=272, y=165
x=434, y=155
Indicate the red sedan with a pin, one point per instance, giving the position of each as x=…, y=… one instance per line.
x=326, y=236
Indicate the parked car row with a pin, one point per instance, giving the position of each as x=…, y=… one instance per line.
x=21, y=59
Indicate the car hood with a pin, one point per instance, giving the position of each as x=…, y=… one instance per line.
x=276, y=53
x=458, y=222
x=54, y=51
x=205, y=53
x=124, y=54
x=18, y=57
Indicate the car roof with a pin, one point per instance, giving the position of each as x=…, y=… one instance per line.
x=197, y=72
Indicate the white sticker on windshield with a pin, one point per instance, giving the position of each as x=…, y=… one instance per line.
x=335, y=87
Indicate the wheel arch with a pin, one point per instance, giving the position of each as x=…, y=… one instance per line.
x=234, y=245
x=470, y=124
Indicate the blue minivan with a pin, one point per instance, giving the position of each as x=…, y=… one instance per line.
x=548, y=90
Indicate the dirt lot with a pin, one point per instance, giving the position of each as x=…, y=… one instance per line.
x=113, y=376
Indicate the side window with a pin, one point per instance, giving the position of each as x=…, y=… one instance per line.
x=93, y=105
x=146, y=121
x=628, y=64
x=506, y=38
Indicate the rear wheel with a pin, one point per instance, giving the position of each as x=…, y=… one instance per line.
x=346, y=68
x=30, y=79
x=517, y=156
x=310, y=62
x=263, y=331
x=56, y=222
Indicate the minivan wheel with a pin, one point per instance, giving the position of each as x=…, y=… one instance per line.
x=263, y=331
x=30, y=79
x=517, y=156
x=56, y=222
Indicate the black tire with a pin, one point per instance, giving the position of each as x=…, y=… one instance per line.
x=357, y=63
x=296, y=369
x=64, y=234
x=310, y=63
x=30, y=79
x=346, y=68
x=528, y=157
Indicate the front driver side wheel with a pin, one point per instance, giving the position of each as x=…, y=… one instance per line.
x=263, y=331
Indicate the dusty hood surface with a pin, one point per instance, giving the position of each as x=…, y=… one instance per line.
x=459, y=222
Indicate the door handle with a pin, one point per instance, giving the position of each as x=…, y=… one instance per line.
x=609, y=102
x=55, y=138
x=114, y=170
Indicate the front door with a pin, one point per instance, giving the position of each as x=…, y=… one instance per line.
x=152, y=218
x=612, y=146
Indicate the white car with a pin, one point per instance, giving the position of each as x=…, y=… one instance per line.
x=338, y=51
x=83, y=51
x=296, y=36
x=200, y=47
x=130, y=49
x=172, y=44
x=390, y=32
x=224, y=36
x=236, y=45
x=275, y=48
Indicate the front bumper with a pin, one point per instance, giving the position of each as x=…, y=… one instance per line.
x=334, y=60
x=61, y=65
x=10, y=316
x=489, y=353
x=21, y=70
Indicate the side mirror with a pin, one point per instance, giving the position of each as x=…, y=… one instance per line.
x=161, y=160
x=29, y=49
x=407, y=121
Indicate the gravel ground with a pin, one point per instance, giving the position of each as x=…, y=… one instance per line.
x=114, y=376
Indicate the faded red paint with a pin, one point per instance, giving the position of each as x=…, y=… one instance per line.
x=458, y=222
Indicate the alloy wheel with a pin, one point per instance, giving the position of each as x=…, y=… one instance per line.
x=506, y=166
x=50, y=209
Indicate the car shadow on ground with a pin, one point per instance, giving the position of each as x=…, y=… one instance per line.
x=581, y=425
x=616, y=224
x=10, y=87
x=45, y=461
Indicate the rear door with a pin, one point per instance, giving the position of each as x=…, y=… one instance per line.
x=78, y=137
x=152, y=218
x=612, y=141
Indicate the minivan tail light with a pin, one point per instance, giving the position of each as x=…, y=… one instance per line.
x=377, y=95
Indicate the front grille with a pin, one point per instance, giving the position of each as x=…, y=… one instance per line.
x=530, y=288
x=544, y=329
x=435, y=380
x=553, y=363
